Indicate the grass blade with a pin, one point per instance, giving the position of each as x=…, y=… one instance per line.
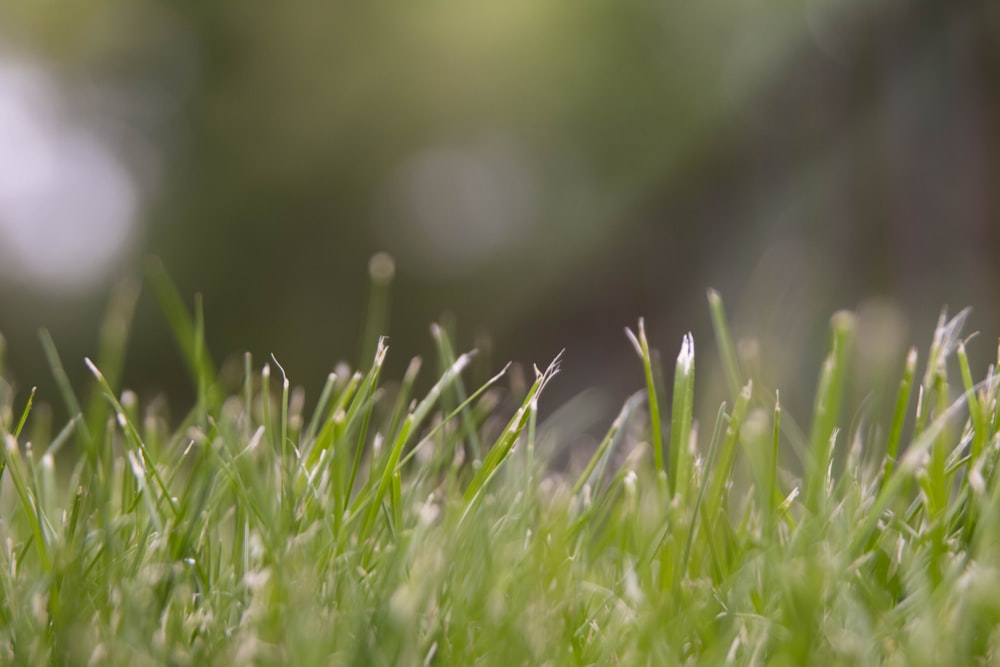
x=641, y=345
x=724, y=341
x=188, y=333
x=679, y=474
x=826, y=411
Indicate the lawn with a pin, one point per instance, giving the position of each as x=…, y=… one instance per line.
x=376, y=524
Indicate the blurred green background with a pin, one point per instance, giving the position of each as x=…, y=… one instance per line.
x=547, y=171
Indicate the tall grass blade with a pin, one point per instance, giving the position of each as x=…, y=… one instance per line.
x=381, y=270
x=682, y=418
x=724, y=341
x=25, y=412
x=446, y=354
x=826, y=410
x=69, y=398
x=641, y=345
x=500, y=451
x=188, y=333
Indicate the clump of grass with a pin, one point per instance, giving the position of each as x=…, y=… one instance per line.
x=381, y=528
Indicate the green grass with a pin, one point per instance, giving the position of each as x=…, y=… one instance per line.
x=382, y=528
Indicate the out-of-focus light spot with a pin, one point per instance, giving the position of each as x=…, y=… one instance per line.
x=381, y=267
x=452, y=209
x=67, y=205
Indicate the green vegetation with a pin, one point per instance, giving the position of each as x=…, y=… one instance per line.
x=379, y=528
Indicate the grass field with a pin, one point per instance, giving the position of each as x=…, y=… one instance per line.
x=373, y=526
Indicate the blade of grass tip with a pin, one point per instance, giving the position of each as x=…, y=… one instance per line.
x=713, y=449
x=920, y=414
x=396, y=498
x=47, y=477
x=423, y=409
x=381, y=270
x=265, y=403
x=913, y=459
x=977, y=410
x=826, y=410
x=247, y=395
x=946, y=339
x=679, y=473
x=773, y=490
x=66, y=389
x=724, y=341
x=205, y=373
x=72, y=522
x=332, y=432
x=641, y=345
x=410, y=425
x=15, y=468
x=454, y=413
x=594, y=470
x=347, y=392
x=502, y=448
x=722, y=469
x=25, y=412
x=186, y=334
x=283, y=424
x=194, y=498
x=757, y=439
x=899, y=415
x=41, y=425
x=112, y=341
x=982, y=432
x=62, y=437
x=529, y=451
x=403, y=397
x=325, y=397
x=245, y=486
x=286, y=462
x=132, y=434
x=930, y=400
x=367, y=398
x=447, y=355
x=32, y=478
x=936, y=483
x=146, y=493
x=499, y=452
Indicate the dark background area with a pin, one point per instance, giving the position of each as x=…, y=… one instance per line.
x=547, y=172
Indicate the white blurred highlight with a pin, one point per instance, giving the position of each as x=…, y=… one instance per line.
x=452, y=208
x=67, y=204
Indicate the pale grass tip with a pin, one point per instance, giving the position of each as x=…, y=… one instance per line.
x=685, y=360
x=93, y=368
x=635, y=341
x=284, y=376
x=381, y=267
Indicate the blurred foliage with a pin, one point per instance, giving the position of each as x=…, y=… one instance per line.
x=585, y=163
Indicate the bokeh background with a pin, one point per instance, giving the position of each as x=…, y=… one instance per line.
x=544, y=171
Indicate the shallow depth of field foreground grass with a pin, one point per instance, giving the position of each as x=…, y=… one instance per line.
x=378, y=528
